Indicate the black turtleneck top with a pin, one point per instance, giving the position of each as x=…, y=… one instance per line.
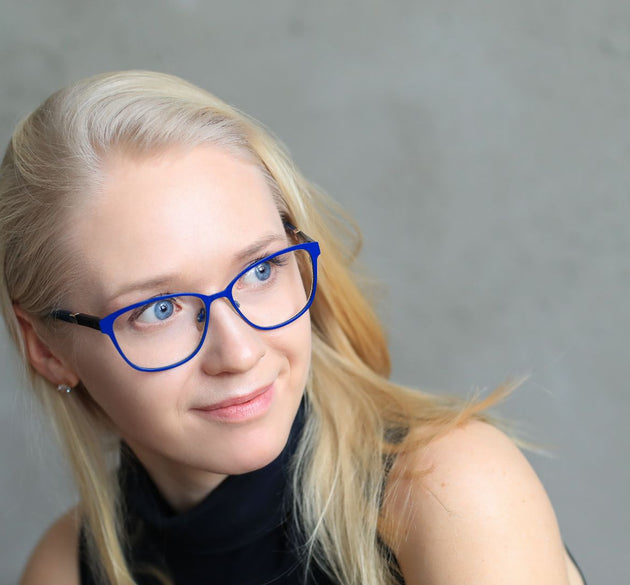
x=242, y=533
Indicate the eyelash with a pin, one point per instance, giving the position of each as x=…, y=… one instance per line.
x=277, y=260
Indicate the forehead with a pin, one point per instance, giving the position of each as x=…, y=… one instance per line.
x=182, y=212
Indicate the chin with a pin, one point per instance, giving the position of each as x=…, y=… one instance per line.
x=255, y=452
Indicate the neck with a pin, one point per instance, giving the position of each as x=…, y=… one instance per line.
x=182, y=491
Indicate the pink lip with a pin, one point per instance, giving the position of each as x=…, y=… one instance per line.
x=241, y=408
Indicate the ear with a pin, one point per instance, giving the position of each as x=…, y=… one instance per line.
x=41, y=356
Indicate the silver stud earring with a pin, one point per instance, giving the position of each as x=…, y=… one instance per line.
x=64, y=388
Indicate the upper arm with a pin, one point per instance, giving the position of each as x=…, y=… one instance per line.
x=475, y=513
x=55, y=558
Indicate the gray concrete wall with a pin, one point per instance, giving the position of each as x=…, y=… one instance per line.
x=483, y=148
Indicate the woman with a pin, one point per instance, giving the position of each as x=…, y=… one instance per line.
x=164, y=282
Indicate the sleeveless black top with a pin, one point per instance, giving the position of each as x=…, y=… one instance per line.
x=241, y=534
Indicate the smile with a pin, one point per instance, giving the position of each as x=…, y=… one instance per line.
x=240, y=408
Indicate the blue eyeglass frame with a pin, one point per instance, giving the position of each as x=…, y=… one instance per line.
x=106, y=324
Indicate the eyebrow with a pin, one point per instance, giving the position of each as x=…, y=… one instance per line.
x=165, y=279
x=258, y=245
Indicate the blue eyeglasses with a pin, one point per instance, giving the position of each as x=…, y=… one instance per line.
x=166, y=331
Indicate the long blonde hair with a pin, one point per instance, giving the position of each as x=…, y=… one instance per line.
x=357, y=419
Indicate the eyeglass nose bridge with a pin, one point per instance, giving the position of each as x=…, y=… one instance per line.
x=207, y=302
x=209, y=299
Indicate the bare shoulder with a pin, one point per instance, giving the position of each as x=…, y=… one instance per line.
x=472, y=510
x=55, y=558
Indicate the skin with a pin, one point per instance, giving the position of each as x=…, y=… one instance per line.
x=475, y=513
x=478, y=516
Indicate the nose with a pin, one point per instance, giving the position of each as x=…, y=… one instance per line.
x=231, y=345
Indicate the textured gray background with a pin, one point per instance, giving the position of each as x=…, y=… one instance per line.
x=483, y=148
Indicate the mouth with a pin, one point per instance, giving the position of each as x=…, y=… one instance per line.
x=240, y=408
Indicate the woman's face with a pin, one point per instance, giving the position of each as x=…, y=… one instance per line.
x=188, y=221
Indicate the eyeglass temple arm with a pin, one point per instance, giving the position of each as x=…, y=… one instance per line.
x=297, y=232
x=78, y=318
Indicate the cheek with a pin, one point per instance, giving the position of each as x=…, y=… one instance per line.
x=127, y=396
x=298, y=347
x=291, y=346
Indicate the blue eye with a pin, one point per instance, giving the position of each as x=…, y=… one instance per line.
x=262, y=271
x=163, y=309
x=262, y=274
x=155, y=312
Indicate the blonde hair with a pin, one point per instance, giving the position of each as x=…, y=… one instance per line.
x=357, y=419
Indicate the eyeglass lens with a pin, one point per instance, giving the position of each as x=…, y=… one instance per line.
x=169, y=330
